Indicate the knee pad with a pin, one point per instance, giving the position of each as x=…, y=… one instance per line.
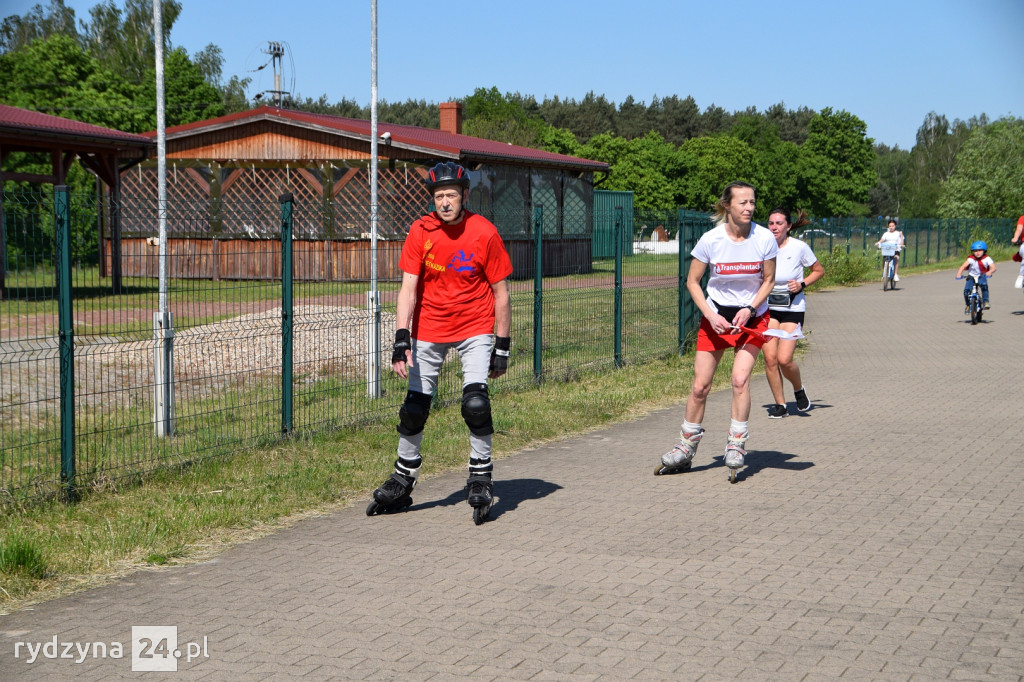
x=476, y=409
x=412, y=416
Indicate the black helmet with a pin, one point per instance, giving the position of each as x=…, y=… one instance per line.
x=447, y=173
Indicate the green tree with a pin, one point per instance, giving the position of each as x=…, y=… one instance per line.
x=188, y=97
x=632, y=119
x=776, y=158
x=642, y=166
x=792, y=124
x=122, y=40
x=677, y=119
x=493, y=116
x=560, y=141
x=988, y=179
x=594, y=115
x=18, y=32
x=836, y=164
x=708, y=164
x=892, y=173
x=55, y=75
x=933, y=159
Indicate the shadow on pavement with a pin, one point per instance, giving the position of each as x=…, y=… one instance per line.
x=508, y=493
x=791, y=410
x=758, y=460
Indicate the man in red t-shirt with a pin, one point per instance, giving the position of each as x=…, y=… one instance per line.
x=454, y=295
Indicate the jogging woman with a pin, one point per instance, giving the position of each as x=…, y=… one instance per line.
x=786, y=306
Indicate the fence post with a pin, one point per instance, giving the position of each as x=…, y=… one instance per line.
x=538, y=291
x=65, y=321
x=917, y=245
x=286, y=201
x=618, y=287
x=3, y=248
x=684, y=241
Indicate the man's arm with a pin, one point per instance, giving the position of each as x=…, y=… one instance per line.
x=406, y=301
x=401, y=358
x=502, y=308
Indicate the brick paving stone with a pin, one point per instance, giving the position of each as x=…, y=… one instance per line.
x=878, y=536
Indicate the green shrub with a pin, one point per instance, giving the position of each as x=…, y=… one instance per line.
x=844, y=269
x=19, y=556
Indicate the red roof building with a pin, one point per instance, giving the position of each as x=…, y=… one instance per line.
x=256, y=155
x=224, y=176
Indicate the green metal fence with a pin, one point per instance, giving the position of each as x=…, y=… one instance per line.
x=274, y=335
x=927, y=239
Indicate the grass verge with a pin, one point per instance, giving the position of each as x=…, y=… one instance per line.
x=190, y=514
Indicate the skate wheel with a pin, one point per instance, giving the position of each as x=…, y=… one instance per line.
x=480, y=514
x=663, y=470
x=372, y=508
x=732, y=475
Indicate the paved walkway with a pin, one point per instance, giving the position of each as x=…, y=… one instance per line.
x=878, y=537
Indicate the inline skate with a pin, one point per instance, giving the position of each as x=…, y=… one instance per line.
x=394, y=495
x=680, y=457
x=480, y=496
x=735, y=455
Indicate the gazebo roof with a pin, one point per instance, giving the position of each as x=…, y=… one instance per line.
x=427, y=141
x=23, y=130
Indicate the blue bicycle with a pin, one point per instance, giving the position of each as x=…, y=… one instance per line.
x=975, y=300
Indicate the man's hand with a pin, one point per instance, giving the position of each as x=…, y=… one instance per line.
x=401, y=354
x=499, y=356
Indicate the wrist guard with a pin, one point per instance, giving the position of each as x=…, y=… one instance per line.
x=500, y=353
x=403, y=342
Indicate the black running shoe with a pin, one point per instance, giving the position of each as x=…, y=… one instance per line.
x=777, y=411
x=803, y=403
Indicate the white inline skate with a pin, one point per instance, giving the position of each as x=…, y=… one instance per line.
x=680, y=457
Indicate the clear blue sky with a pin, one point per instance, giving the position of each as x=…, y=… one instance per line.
x=889, y=62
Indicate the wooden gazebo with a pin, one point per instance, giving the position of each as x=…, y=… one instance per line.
x=105, y=152
x=235, y=165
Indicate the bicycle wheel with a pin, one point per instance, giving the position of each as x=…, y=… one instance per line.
x=885, y=274
x=975, y=309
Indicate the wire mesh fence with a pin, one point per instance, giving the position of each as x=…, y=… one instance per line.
x=274, y=332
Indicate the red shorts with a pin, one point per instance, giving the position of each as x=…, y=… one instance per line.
x=708, y=340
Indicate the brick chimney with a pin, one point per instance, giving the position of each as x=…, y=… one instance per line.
x=451, y=117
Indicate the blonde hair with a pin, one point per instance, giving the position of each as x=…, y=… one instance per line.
x=722, y=205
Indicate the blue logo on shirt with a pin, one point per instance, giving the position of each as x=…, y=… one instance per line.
x=460, y=262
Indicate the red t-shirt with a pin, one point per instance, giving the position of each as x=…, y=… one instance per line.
x=456, y=265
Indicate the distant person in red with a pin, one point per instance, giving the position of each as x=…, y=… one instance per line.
x=1018, y=240
x=454, y=295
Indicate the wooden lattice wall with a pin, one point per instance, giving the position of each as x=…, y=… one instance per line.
x=238, y=201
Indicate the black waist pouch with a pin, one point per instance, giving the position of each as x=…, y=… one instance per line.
x=727, y=311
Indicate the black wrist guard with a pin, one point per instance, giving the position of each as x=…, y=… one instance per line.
x=500, y=352
x=403, y=342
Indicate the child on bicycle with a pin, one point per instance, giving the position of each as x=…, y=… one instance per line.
x=895, y=236
x=979, y=265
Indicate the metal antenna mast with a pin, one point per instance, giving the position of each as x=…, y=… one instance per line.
x=276, y=52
